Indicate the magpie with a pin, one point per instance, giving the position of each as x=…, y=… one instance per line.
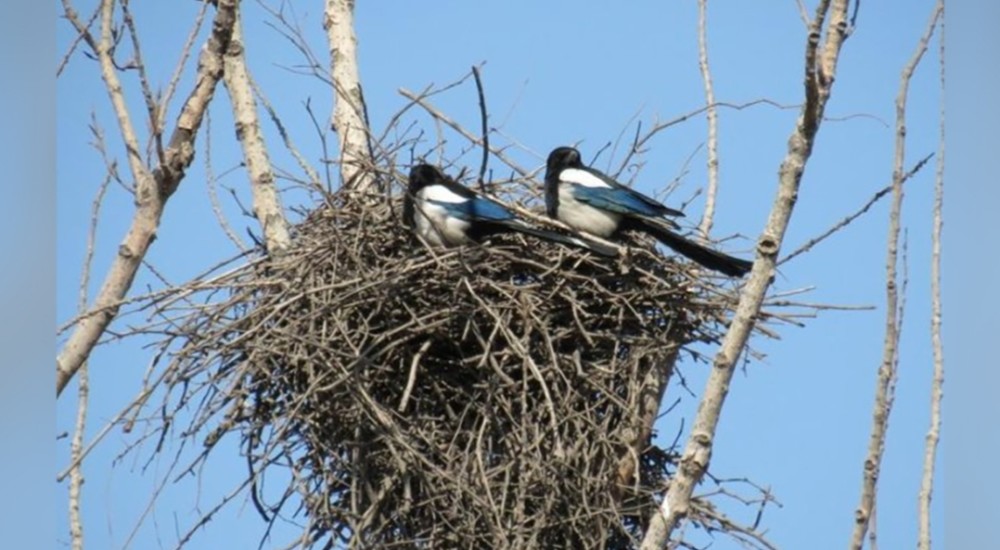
x=447, y=214
x=589, y=201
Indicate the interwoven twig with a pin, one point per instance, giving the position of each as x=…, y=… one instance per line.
x=483, y=397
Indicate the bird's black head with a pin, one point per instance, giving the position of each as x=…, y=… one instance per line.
x=559, y=159
x=563, y=157
x=422, y=175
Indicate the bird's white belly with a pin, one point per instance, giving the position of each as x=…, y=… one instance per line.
x=583, y=217
x=439, y=229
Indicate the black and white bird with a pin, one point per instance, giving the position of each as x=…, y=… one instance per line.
x=447, y=214
x=589, y=201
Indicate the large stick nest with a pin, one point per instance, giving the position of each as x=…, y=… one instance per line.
x=484, y=397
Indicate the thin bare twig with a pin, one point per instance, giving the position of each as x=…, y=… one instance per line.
x=712, y=117
x=152, y=109
x=486, y=130
x=82, y=33
x=76, y=478
x=890, y=353
x=175, y=77
x=808, y=245
x=448, y=121
x=310, y=172
x=934, y=431
x=211, y=184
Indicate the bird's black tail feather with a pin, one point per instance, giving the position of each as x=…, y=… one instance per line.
x=704, y=256
x=569, y=240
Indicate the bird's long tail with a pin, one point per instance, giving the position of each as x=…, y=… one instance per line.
x=704, y=256
x=569, y=240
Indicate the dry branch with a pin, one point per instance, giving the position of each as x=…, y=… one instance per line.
x=266, y=200
x=846, y=220
x=890, y=352
x=712, y=117
x=934, y=431
x=820, y=70
x=153, y=189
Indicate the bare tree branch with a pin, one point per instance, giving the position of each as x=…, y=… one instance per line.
x=82, y=33
x=76, y=478
x=266, y=200
x=152, y=189
x=808, y=245
x=890, y=352
x=486, y=129
x=175, y=78
x=819, y=78
x=448, y=121
x=712, y=116
x=933, y=433
x=349, y=113
x=213, y=195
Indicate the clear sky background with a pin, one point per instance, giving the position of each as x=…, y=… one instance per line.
x=559, y=73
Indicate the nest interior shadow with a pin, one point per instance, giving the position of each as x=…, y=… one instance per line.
x=497, y=396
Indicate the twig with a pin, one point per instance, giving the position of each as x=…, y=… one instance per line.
x=934, y=431
x=82, y=33
x=660, y=126
x=213, y=195
x=803, y=12
x=890, y=353
x=175, y=77
x=310, y=172
x=152, y=109
x=76, y=478
x=486, y=129
x=808, y=245
x=448, y=121
x=412, y=378
x=712, y=116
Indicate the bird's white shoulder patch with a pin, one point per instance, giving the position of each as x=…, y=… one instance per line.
x=440, y=193
x=581, y=177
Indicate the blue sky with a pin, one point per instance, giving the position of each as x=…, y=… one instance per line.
x=570, y=72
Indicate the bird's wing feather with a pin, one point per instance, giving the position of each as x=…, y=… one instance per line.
x=466, y=205
x=621, y=201
x=598, y=190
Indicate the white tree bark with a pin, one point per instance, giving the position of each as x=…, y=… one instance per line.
x=266, y=200
x=934, y=431
x=348, y=110
x=820, y=70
